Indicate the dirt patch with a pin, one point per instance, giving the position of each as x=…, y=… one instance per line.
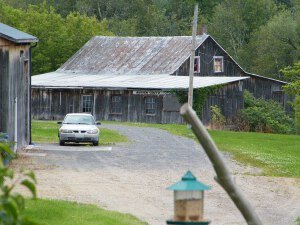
x=144, y=194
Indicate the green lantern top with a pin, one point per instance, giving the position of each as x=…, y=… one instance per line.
x=189, y=183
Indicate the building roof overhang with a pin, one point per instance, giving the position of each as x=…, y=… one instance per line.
x=16, y=36
x=57, y=80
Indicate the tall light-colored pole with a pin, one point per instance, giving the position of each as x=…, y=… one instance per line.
x=224, y=177
x=192, y=58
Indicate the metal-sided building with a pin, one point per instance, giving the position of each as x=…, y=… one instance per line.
x=134, y=79
x=15, y=65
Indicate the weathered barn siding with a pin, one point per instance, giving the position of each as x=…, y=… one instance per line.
x=53, y=105
x=268, y=89
x=259, y=86
x=229, y=99
x=207, y=50
x=14, y=86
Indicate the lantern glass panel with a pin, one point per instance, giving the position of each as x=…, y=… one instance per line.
x=181, y=195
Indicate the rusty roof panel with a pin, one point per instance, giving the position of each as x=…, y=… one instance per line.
x=131, y=55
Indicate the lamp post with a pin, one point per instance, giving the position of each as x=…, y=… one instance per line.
x=188, y=201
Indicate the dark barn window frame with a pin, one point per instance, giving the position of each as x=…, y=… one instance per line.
x=87, y=103
x=277, y=96
x=116, y=104
x=218, y=64
x=150, y=105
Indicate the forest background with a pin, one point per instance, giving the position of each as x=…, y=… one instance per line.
x=263, y=36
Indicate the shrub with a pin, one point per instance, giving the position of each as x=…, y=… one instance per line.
x=265, y=115
x=296, y=105
x=217, y=119
x=12, y=204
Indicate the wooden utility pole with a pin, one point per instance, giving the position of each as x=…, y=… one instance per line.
x=192, y=58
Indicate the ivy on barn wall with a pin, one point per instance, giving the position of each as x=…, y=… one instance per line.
x=200, y=96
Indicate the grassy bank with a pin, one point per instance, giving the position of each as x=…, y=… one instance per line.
x=46, y=131
x=54, y=212
x=276, y=154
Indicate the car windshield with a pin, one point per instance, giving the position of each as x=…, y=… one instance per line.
x=79, y=119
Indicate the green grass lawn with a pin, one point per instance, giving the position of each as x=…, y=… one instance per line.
x=56, y=212
x=276, y=154
x=46, y=131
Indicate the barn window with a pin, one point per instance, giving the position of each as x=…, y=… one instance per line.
x=150, y=105
x=277, y=96
x=197, y=64
x=87, y=103
x=218, y=64
x=116, y=104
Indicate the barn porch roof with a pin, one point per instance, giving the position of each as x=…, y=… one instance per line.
x=57, y=80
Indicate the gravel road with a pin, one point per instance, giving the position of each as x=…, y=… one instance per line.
x=133, y=177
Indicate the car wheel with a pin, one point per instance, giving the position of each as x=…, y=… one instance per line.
x=61, y=143
x=96, y=143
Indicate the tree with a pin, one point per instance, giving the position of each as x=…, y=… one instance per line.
x=59, y=37
x=274, y=46
x=80, y=29
x=234, y=21
x=292, y=74
x=52, y=35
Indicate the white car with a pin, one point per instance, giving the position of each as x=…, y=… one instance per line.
x=79, y=127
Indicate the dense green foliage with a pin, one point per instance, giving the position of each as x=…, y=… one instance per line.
x=262, y=35
x=292, y=74
x=275, y=154
x=297, y=114
x=54, y=212
x=47, y=131
x=265, y=115
x=59, y=37
x=12, y=204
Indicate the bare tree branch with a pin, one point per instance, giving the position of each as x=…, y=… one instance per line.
x=224, y=178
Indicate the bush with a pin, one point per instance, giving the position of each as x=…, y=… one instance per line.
x=296, y=105
x=217, y=119
x=12, y=204
x=265, y=115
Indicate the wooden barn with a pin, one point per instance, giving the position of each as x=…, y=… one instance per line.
x=134, y=79
x=15, y=63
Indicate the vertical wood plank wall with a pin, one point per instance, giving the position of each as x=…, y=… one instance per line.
x=14, y=84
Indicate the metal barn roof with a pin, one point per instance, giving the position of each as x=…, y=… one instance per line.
x=131, y=55
x=15, y=35
x=159, y=82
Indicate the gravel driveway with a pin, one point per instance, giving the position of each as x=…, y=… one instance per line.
x=133, y=177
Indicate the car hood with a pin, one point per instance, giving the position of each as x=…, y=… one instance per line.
x=78, y=127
